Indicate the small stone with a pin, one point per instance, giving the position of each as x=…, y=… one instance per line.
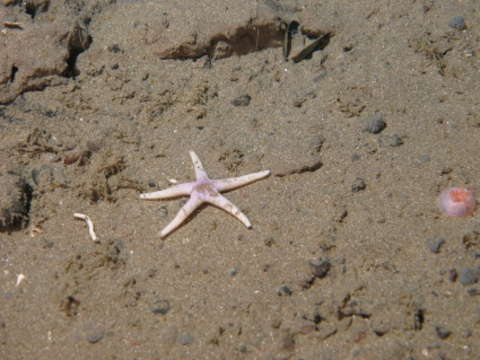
x=452, y=275
x=161, y=307
x=320, y=267
x=242, y=100
x=442, y=332
x=424, y=158
x=469, y=275
x=390, y=140
x=473, y=291
x=435, y=244
x=458, y=23
x=375, y=124
x=94, y=333
x=358, y=185
x=233, y=272
x=284, y=291
x=185, y=339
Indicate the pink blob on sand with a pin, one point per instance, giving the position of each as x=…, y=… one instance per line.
x=457, y=202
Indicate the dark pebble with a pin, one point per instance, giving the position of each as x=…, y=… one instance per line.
x=242, y=100
x=320, y=267
x=358, y=185
x=469, y=275
x=233, y=272
x=442, y=332
x=375, y=124
x=473, y=292
x=161, y=307
x=458, y=23
x=452, y=275
x=284, y=291
x=435, y=244
x=185, y=339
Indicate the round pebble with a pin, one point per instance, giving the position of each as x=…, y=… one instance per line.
x=435, y=244
x=458, y=23
x=358, y=185
x=284, y=290
x=161, y=307
x=442, y=332
x=375, y=124
x=469, y=275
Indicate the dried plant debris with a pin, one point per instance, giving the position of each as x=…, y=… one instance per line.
x=38, y=142
x=14, y=202
x=103, y=182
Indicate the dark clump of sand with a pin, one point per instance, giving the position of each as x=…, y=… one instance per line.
x=348, y=257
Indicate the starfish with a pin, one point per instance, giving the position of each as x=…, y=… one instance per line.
x=204, y=190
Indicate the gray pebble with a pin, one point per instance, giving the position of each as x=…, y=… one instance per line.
x=320, y=267
x=284, y=290
x=435, y=244
x=469, y=275
x=390, y=140
x=185, y=339
x=233, y=272
x=424, y=158
x=442, y=332
x=458, y=23
x=94, y=333
x=473, y=291
x=160, y=306
x=242, y=100
x=94, y=338
x=358, y=185
x=375, y=124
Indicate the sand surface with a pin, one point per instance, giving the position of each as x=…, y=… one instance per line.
x=349, y=256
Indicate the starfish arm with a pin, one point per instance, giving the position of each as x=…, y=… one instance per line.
x=200, y=173
x=225, y=204
x=171, y=192
x=233, y=183
x=182, y=215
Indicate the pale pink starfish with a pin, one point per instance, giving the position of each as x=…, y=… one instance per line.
x=204, y=190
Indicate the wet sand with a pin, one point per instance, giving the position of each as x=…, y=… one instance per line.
x=349, y=256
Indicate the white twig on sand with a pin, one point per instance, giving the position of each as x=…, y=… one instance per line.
x=89, y=224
